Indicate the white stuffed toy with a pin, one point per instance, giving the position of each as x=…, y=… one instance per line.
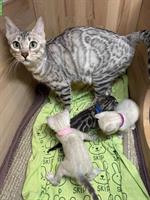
x=121, y=119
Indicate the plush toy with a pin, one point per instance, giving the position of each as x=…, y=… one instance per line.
x=85, y=120
x=121, y=119
x=76, y=163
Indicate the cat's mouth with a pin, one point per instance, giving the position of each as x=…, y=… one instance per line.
x=26, y=62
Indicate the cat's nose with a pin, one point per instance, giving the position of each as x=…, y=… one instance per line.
x=24, y=54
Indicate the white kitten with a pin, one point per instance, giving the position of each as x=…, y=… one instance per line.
x=76, y=163
x=123, y=118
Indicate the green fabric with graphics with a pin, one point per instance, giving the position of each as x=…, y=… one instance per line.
x=119, y=180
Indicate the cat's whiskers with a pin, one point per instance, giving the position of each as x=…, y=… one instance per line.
x=9, y=69
x=13, y=66
x=9, y=60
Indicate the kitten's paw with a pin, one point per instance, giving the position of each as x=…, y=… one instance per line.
x=50, y=177
x=93, y=174
x=97, y=171
x=95, y=137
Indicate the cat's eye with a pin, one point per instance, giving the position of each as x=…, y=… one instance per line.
x=16, y=45
x=33, y=44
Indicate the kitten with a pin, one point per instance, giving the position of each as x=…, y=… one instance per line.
x=91, y=55
x=76, y=163
x=123, y=118
x=85, y=120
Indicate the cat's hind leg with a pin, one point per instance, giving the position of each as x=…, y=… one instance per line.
x=102, y=88
x=102, y=91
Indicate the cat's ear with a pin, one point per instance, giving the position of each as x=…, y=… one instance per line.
x=11, y=28
x=39, y=27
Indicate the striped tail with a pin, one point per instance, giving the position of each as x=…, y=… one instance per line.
x=143, y=36
x=134, y=38
x=149, y=61
x=88, y=186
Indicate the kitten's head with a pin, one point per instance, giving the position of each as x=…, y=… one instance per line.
x=59, y=121
x=109, y=121
x=123, y=118
x=26, y=47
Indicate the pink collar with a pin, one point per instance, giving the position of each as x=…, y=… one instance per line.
x=64, y=131
x=122, y=119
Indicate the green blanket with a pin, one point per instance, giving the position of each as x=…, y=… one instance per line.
x=119, y=179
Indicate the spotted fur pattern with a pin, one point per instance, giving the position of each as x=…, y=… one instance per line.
x=91, y=55
x=86, y=120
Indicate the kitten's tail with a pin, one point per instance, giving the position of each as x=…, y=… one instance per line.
x=88, y=186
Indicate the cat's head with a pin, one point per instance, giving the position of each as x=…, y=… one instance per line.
x=26, y=47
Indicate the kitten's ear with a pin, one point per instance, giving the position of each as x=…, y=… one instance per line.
x=97, y=116
x=11, y=28
x=39, y=27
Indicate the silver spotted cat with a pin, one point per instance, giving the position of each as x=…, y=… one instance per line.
x=91, y=55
